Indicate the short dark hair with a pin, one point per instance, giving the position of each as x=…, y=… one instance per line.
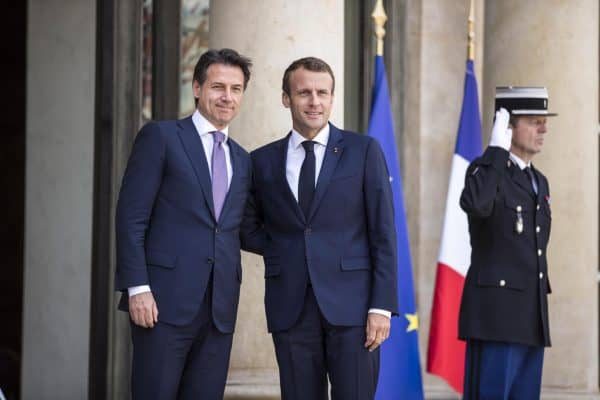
x=308, y=63
x=223, y=56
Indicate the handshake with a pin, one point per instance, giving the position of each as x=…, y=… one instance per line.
x=501, y=133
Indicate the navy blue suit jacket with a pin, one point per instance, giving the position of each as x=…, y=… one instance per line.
x=347, y=243
x=167, y=234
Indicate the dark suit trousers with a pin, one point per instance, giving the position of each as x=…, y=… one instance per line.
x=181, y=362
x=313, y=348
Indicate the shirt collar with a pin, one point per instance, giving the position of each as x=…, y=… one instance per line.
x=204, y=127
x=522, y=164
x=322, y=137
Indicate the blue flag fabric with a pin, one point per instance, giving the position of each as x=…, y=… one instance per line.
x=468, y=140
x=400, y=367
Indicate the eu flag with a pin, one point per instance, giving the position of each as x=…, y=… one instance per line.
x=400, y=368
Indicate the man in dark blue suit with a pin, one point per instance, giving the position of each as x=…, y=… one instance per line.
x=178, y=251
x=321, y=214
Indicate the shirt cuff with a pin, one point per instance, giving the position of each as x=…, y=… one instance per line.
x=138, y=289
x=380, y=312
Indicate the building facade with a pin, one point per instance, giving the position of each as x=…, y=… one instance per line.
x=95, y=71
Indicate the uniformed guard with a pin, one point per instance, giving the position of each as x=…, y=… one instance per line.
x=504, y=309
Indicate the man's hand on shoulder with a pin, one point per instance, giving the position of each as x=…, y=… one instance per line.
x=377, y=330
x=143, y=310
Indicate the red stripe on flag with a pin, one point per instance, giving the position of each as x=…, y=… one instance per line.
x=446, y=354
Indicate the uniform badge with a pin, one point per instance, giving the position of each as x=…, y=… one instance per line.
x=519, y=222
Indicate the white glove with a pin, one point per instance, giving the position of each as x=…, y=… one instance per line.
x=501, y=133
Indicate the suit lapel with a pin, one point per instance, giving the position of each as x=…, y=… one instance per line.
x=195, y=151
x=520, y=178
x=279, y=161
x=333, y=152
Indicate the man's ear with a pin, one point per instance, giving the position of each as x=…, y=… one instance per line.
x=196, y=89
x=285, y=99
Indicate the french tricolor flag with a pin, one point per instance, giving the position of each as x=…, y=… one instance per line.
x=446, y=354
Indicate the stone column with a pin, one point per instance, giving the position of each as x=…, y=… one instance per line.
x=273, y=33
x=61, y=61
x=554, y=43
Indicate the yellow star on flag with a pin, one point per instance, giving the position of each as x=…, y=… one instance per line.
x=413, y=322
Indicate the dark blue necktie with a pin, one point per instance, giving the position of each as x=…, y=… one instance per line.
x=531, y=178
x=306, y=183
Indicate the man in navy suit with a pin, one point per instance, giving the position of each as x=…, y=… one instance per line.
x=321, y=214
x=178, y=251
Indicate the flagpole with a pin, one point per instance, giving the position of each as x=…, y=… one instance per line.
x=379, y=17
x=446, y=353
x=471, y=33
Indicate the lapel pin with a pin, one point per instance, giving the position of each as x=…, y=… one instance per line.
x=335, y=149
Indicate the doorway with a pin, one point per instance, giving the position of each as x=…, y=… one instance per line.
x=12, y=203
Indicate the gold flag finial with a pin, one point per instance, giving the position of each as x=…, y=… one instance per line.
x=379, y=17
x=471, y=34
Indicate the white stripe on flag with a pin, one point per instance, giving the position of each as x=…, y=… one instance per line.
x=455, y=249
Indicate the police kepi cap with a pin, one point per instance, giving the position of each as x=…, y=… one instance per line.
x=523, y=100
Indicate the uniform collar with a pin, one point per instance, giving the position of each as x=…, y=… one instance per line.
x=522, y=164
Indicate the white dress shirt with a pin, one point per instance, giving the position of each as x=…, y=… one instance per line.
x=204, y=129
x=296, y=153
x=293, y=164
x=522, y=164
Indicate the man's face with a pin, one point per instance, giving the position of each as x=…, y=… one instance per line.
x=528, y=135
x=220, y=96
x=310, y=100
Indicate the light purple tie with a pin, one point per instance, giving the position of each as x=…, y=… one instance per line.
x=219, y=172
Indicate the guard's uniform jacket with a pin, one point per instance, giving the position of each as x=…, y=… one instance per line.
x=505, y=293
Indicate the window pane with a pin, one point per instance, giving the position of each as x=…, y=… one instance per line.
x=194, y=42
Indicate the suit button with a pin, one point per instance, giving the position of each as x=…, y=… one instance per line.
x=541, y=275
x=539, y=252
x=537, y=229
x=210, y=261
x=502, y=282
x=308, y=231
x=519, y=208
x=537, y=207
